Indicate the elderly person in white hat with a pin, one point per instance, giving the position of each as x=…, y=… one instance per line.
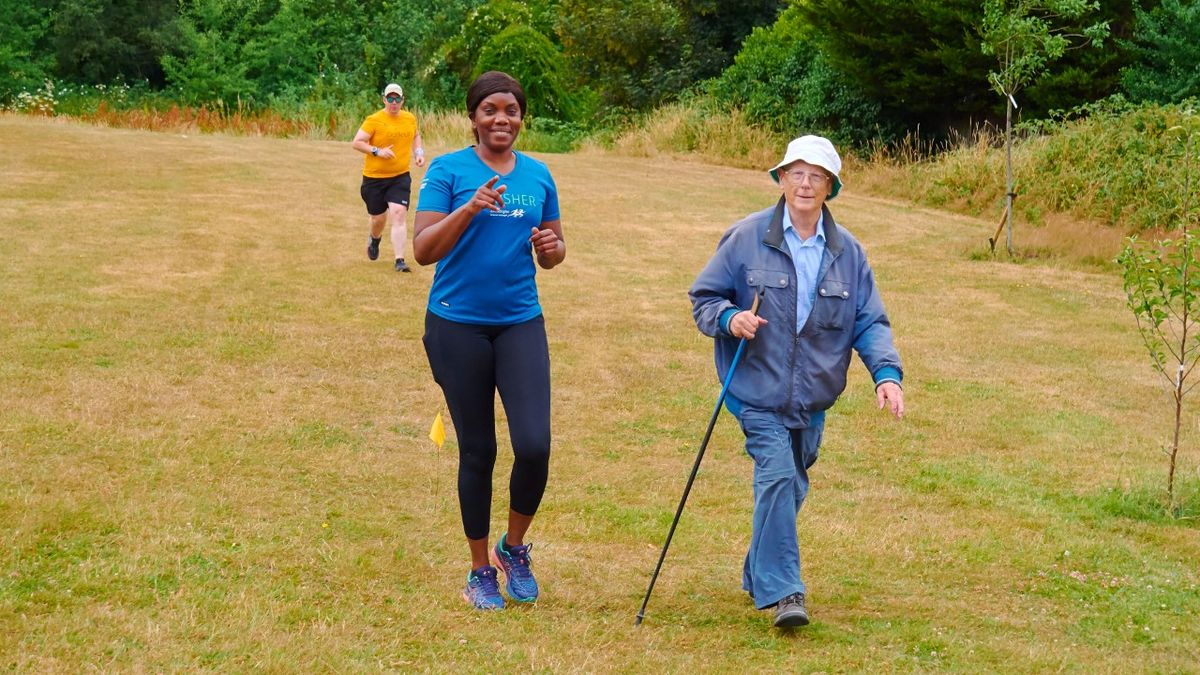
x=386, y=139
x=818, y=303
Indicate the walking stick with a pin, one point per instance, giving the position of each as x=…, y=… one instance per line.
x=712, y=422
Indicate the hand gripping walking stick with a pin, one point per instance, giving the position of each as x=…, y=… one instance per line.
x=712, y=422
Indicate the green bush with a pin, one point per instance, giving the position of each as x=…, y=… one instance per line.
x=782, y=80
x=22, y=68
x=482, y=25
x=634, y=53
x=209, y=74
x=407, y=36
x=1167, y=49
x=1112, y=162
x=1118, y=165
x=532, y=58
x=545, y=134
x=112, y=41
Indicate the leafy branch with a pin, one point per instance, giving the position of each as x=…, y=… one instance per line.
x=1162, y=288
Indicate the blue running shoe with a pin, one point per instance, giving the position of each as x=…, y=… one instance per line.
x=519, y=581
x=483, y=590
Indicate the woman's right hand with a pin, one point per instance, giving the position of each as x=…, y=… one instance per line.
x=488, y=196
x=434, y=234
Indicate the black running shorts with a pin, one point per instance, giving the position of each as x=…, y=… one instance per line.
x=378, y=192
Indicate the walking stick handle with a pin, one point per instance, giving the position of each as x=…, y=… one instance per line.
x=754, y=305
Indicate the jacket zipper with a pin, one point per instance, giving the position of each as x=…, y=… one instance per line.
x=795, y=334
x=822, y=270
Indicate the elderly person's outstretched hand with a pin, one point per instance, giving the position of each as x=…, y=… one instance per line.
x=891, y=395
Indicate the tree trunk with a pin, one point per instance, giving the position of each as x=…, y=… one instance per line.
x=1008, y=171
x=1175, y=442
x=1184, y=278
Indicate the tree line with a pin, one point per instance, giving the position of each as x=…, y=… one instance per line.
x=857, y=71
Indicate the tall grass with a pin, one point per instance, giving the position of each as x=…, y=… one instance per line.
x=127, y=107
x=1116, y=166
x=1112, y=164
x=716, y=136
x=956, y=173
x=205, y=120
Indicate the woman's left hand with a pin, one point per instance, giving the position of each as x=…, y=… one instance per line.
x=545, y=242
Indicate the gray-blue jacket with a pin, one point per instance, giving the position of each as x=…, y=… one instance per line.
x=781, y=369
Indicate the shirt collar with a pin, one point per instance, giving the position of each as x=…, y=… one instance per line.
x=787, y=225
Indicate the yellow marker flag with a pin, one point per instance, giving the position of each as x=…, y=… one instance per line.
x=437, y=432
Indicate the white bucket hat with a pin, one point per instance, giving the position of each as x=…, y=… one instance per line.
x=814, y=150
x=393, y=88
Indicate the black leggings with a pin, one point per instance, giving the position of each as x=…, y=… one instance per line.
x=471, y=362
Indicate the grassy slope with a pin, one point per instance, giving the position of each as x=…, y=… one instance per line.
x=213, y=452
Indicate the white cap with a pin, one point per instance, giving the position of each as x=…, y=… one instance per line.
x=393, y=88
x=814, y=150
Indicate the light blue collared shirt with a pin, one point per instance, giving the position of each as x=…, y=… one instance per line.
x=806, y=256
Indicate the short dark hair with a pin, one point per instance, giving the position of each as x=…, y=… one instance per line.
x=494, y=82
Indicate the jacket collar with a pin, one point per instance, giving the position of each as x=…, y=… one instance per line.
x=774, y=234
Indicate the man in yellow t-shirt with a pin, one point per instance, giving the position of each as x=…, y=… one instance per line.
x=387, y=138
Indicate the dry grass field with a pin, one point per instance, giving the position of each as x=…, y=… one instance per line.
x=213, y=451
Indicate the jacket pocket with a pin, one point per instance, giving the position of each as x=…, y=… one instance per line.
x=758, y=278
x=777, y=294
x=831, y=308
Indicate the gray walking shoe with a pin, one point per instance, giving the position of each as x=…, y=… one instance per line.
x=791, y=612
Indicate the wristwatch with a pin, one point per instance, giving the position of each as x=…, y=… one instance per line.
x=375, y=151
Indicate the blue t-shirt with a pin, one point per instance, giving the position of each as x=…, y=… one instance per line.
x=488, y=277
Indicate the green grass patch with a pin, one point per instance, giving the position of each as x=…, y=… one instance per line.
x=1150, y=503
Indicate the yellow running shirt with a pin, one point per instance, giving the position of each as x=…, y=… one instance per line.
x=397, y=131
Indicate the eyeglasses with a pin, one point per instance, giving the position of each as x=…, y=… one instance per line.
x=814, y=179
x=394, y=99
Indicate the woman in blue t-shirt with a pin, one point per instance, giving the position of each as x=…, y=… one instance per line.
x=485, y=212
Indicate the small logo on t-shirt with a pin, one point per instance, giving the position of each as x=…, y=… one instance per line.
x=506, y=213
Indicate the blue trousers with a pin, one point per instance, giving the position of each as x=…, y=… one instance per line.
x=782, y=457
